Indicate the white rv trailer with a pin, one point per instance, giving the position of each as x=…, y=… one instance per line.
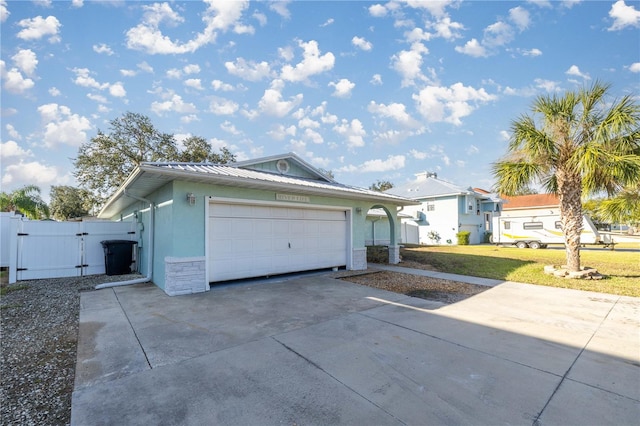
x=535, y=229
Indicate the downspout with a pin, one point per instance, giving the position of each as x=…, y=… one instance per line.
x=150, y=255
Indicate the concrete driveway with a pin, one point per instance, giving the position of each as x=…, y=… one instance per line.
x=316, y=350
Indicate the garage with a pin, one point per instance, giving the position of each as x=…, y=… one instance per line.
x=253, y=239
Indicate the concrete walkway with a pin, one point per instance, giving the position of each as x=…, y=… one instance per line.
x=316, y=350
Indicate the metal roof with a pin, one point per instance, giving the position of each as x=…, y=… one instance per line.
x=148, y=177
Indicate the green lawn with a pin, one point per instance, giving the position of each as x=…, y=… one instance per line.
x=621, y=268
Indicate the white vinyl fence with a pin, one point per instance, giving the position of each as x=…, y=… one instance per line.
x=48, y=249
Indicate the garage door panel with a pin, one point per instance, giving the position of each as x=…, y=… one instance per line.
x=247, y=241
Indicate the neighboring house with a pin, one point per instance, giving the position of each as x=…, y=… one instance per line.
x=533, y=202
x=203, y=223
x=444, y=210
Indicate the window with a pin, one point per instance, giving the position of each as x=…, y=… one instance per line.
x=431, y=206
x=507, y=225
x=558, y=224
x=532, y=225
x=487, y=221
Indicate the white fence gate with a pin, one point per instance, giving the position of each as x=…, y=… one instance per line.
x=47, y=249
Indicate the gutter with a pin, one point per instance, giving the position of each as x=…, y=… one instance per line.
x=146, y=279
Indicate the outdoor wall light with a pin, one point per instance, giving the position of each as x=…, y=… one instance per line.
x=358, y=210
x=191, y=198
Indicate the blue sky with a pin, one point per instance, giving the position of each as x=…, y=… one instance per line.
x=369, y=90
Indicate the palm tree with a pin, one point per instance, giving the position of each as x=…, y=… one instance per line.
x=580, y=143
x=26, y=200
x=623, y=208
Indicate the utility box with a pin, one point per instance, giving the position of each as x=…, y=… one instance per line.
x=118, y=256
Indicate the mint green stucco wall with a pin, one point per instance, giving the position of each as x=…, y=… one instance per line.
x=180, y=227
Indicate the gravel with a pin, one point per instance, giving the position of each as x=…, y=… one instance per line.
x=39, y=336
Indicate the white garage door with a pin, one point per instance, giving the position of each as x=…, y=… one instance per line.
x=255, y=240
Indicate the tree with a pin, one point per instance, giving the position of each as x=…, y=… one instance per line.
x=581, y=143
x=68, y=202
x=198, y=150
x=381, y=185
x=623, y=208
x=106, y=160
x=25, y=200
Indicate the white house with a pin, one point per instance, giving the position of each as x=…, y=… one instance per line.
x=444, y=210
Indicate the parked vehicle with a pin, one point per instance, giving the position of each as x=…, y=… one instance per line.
x=537, y=230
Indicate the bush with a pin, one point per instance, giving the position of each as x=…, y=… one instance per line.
x=487, y=237
x=463, y=238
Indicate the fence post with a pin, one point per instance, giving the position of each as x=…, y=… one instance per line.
x=14, y=224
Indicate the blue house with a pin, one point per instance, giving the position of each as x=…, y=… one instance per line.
x=203, y=223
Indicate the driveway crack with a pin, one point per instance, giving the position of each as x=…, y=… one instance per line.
x=124, y=311
x=311, y=362
x=536, y=421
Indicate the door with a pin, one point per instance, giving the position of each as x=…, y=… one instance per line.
x=258, y=240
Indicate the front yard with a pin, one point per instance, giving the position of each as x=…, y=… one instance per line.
x=621, y=267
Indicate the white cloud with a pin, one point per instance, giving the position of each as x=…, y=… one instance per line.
x=222, y=106
x=396, y=111
x=306, y=122
x=419, y=155
x=313, y=136
x=77, y=3
x=635, y=67
x=472, y=149
x=352, y=131
x=219, y=16
x=260, y=17
x=98, y=98
x=472, y=48
x=280, y=132
x=575, y=71
x=342, y=88
x=26, y=61
x=228, y=127
x=449, y=104
x=143, y=66
x=174, y=103
x=327, y=23
x=117, y=90
x=504, y=135
x=194, y=83
x=520, y=17
x=190, y=118
x=14, y=81
x=63, y=127
x=530, y=52
x=361, y=43
x=4, y=13
x=38, y=27
x=280, y=7
x=102, y=48
x=445, y=28
x=408, y=63
x=286, y=53
x=377, y=10
x=311, y=64
x=128, y=73
x=13, y=133
x=219, y=85
x=191, y=69
x=547, y=85
x=33, y=173
x=376, y=80
x=84, y=79
x=498, y=34
x=436, y=8
x=393, y=162
x=272, y=103
x=248, y=70
x=623, y=16
x=11, y=149
x=54, y=91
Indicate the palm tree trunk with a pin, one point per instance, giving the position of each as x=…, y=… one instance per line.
x=570, y=194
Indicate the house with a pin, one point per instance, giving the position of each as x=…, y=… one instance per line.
x=445, y=209
x=201, y=223
x=534, y=202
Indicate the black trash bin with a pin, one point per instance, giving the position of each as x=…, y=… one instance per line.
x=118, y=256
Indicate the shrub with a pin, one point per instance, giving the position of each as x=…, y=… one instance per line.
x=434, y=237
x=487, y=237
x=463, y=238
